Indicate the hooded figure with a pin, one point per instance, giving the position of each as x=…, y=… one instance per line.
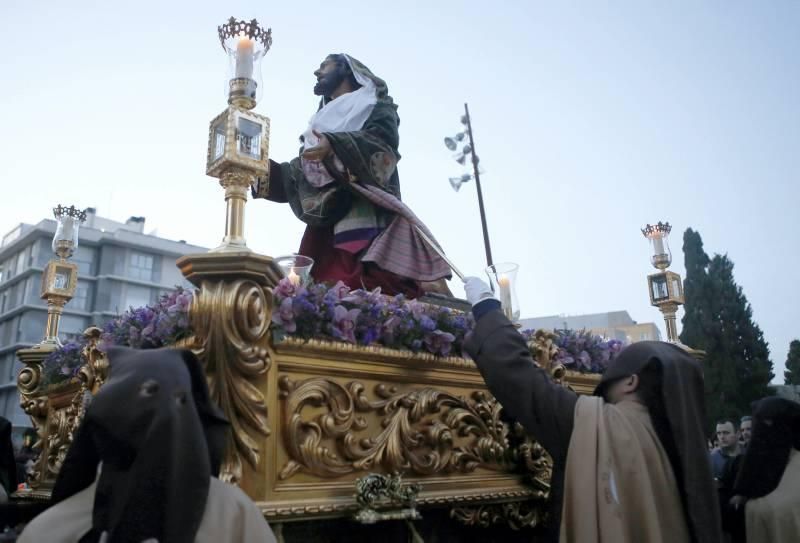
x=144, y=461
x=630, y=464
x=345, y=187
x=769, y=477
x=8, y=466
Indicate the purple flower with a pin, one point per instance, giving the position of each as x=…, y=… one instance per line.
x=439, y=342
x=427, y=324
x=416, y=308
x=371, y=335
x=344, y=323
x=284, y=316
x=584, y=360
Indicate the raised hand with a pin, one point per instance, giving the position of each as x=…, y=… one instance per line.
x=321, y=150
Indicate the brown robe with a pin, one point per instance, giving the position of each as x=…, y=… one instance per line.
x=229, y=517
x=544, y=409
x=620, y=486
x=775, y=518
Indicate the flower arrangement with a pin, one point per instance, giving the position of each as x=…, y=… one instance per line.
x=63, y=364
x=334, y=313
x=150, y=327
x=582, y=351
x=367, y=318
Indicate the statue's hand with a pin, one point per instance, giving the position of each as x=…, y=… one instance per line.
x=321, y=150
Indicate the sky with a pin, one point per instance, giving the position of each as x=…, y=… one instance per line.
x=591, y=119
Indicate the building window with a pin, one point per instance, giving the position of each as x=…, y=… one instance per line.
x=141, y=267
x=72, y=327
x=84, y=257
x=136, y=296
x=21, y=261
x=81, y=299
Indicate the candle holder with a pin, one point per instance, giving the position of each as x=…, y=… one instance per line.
x=297, y=268
x=246, y=43
x=503, y=278
x=658, y=234
x=665, y=287
x=60, y=277
x=238, y=139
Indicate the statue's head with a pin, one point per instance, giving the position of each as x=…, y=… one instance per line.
x=334, y=76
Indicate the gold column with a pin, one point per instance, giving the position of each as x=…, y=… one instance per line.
x=236, y=184
x=670, y=310
x=55, y=308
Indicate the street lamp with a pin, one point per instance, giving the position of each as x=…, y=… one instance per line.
x=466, y=152
x=238, y=140
x=60, y=277
x=665, y=287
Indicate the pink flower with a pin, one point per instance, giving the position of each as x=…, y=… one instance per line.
x=339, y=291
x=285, y=288
x=344, y=323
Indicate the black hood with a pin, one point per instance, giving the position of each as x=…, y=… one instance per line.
x=159, y=438
x=684, y=408
x=776, y=431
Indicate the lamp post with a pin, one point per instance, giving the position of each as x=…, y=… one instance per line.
x=666, y=288
x=60, y=277
x=238, y=142
x=468, y=150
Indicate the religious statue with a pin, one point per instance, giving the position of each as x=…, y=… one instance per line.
x=344, y=185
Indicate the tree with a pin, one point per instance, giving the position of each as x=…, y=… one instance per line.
x=719, y=320
x=792, y=374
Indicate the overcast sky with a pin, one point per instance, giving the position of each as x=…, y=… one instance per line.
x=591, y=119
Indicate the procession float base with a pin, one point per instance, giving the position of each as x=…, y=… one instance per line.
x=330, y=437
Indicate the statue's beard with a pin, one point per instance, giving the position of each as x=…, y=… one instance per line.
x=326, y=86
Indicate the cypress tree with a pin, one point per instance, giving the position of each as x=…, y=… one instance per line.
x=719, y=320
x=792, y=374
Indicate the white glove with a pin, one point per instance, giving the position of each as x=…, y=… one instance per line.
x=477, y=290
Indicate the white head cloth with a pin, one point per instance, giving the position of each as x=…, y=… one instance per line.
x=347, y=113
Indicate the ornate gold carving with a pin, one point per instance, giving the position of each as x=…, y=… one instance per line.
x=376, y=491
x=517, y=515
x=67, y=409
x=95, y=371
x=537, y=464
x=422, y=431
x=231, y=321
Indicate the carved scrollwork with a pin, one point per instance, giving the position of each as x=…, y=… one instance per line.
x=518, y=515
x=230, y=321
x=94, y=372
x=421, y=431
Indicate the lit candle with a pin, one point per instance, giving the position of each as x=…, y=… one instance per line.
x=294, y=278
x=504, y=283
x=658, y=245
x=244, y=58
x=68, y=228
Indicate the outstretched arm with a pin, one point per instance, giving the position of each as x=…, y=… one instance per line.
x=526, y=392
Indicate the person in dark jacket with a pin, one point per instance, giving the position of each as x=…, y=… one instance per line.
x=630, y=463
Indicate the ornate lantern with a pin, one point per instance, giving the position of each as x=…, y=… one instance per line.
x=665, y=287
x=238, y=140
x=60, y=277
